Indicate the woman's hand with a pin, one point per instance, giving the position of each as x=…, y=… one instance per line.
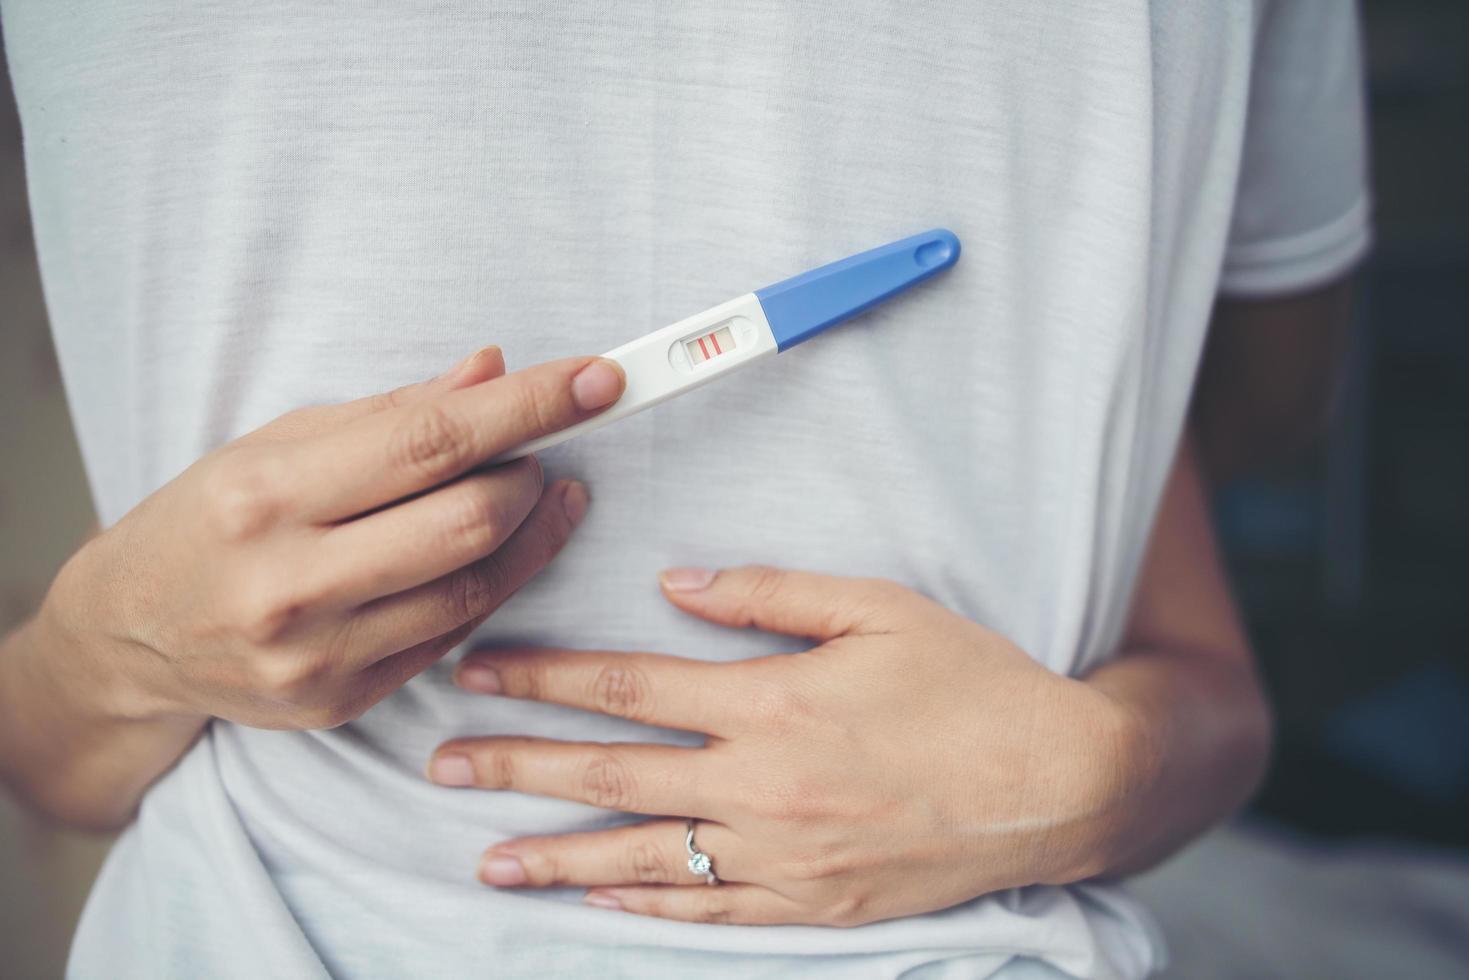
x=296, y=576
x=911, y=761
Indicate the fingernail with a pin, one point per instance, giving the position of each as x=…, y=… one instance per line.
x=687, y=579
x=602, y=900
x=451, y=770
x=596, y=385
x=479, y=678
x=502, y=870
x=574, y=498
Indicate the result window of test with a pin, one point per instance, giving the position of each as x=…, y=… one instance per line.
x=708, y=346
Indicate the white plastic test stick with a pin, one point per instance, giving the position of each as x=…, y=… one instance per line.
x=695, y=351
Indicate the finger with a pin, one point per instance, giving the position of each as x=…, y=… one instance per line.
x=673, y=692
x=482, y=365
x=469, y=594
x=392, y=454
x=378, y=680
x=633, y=777
x=647, y=853
x=819, y=607
x=427, y=536
x=749, y=905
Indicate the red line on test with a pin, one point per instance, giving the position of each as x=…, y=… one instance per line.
x=715, y=341
x=704, y=350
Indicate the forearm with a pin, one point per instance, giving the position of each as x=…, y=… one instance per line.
x=74, y=743
x=1187, y=685
x=1203, y=732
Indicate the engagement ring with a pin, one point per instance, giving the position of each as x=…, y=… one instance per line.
x=699, y=863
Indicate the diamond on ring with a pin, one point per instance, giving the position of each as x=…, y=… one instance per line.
x=699, y=863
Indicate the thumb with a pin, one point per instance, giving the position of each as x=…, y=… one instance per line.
x=818, y=607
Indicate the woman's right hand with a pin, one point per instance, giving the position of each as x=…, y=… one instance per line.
x=298, y=575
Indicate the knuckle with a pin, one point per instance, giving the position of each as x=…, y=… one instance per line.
x=622, y=690
x=477, y=519
x=288, y=678
x=476, y=588
x=766, y=582
x=548, y=869
x=535, y=407
x=847, y=910
x=432, y=443
x=501, y=768
x=765, y=585
x=524, y=679
x=266, y=615
x=326, y=716
x=647, y=864
x=242, y=495
x=716, y=911
x=384, y=400
x=818, y=862
x=607, y=783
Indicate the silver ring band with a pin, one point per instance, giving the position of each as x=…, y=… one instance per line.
x=699, y=863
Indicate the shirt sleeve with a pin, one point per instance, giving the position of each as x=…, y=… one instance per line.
x=1302, y=212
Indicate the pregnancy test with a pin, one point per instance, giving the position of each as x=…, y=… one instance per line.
x=695, y=351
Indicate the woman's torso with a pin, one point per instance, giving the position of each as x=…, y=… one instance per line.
x=246, y=208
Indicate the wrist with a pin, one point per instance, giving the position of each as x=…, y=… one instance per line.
x=1120, y=761
x=81, y=740
x=105, y=673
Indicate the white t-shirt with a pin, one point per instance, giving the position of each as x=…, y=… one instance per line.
x=242, y=208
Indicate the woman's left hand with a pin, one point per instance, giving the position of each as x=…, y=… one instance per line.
x=911, y=761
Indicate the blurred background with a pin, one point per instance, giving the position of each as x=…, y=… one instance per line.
x=1353, y=567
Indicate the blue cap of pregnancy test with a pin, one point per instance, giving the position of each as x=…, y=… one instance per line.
x=801, y=307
